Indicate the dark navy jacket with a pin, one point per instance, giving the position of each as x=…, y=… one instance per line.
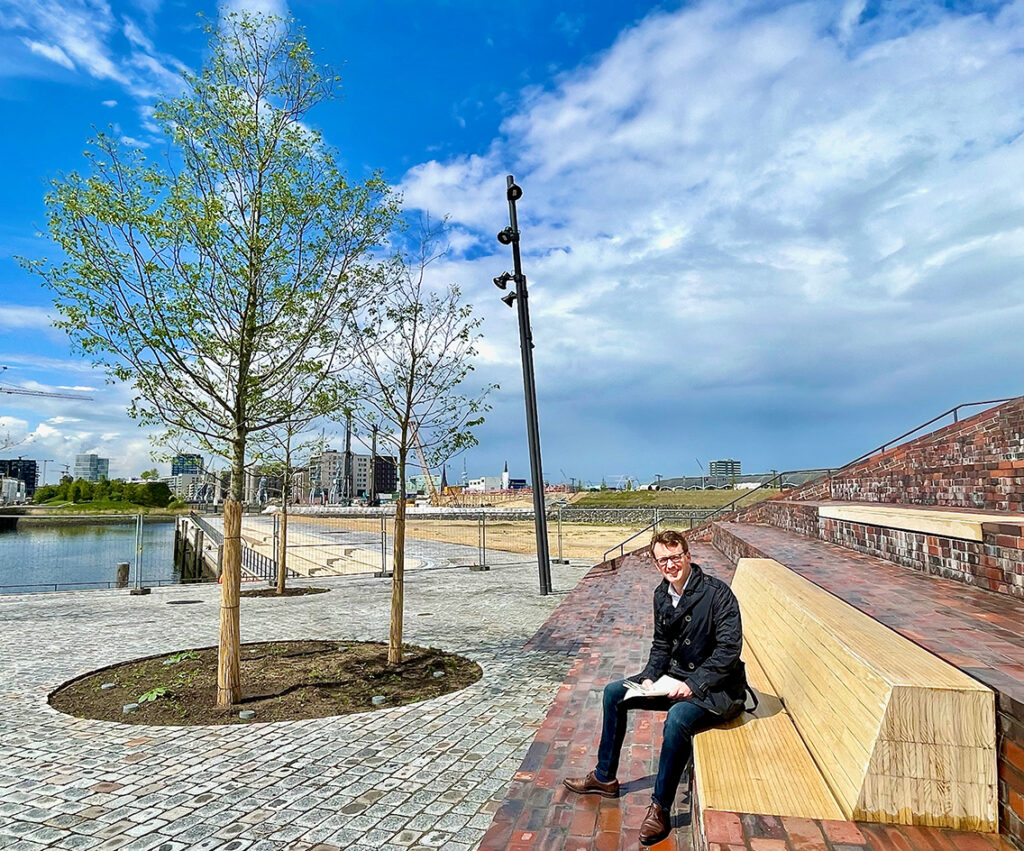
x=699, y=642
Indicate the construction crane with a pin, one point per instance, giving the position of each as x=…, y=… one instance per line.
x=20, y=391
x=435, y=498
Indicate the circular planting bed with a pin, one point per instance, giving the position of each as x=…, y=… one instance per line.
x=281, y=681
x=300, y=591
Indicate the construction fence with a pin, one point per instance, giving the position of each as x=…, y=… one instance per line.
x=329, y=540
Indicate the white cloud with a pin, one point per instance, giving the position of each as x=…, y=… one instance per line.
x=263, y=7
x=110, y=103
x=137, y=37
x=51, y=52
x=768, y=208
x=84, y=35
x=22, y=317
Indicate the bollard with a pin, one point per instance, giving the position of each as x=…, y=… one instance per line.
x=122, y=575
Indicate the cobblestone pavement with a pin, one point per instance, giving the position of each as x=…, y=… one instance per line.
x=424, y=776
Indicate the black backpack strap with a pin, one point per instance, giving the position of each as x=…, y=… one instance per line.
x=753, y=696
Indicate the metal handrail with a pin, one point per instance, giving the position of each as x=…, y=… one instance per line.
x=725, y=508
x=207, y=527
x=956, y=418
x=827, y=471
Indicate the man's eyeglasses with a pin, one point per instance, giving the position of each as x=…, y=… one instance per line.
x=678, y=558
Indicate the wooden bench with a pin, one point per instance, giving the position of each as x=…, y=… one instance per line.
x=855, y=722
x=937, y=521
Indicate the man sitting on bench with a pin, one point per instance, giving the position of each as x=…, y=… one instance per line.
x=694, y=673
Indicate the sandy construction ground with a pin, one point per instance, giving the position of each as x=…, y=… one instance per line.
x=579, y=540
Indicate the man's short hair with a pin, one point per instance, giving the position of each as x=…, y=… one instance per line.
x=670, y=538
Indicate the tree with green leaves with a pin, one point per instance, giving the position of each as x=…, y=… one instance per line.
x=415, y=348
x=214, y=278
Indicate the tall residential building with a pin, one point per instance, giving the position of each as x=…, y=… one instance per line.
x=92, y=468
x=724, y=469
x=187, y=463
x=327, y=476
x=23, y=469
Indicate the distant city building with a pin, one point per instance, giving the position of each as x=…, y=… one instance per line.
x=12, y=491
x=724, y=469
x=22, y=469
x=92, y=468
x=186, y=486
x=187, y=463
x=326, y=478
x=486, y=484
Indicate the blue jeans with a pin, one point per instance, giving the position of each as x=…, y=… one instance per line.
x=684, y=720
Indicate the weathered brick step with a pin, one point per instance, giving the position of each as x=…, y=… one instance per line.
x=977, y=631
x=973, y=546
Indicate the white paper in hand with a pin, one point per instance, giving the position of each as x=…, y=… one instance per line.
x=661, y=687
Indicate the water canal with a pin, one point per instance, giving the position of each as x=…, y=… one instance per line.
x=41, y=554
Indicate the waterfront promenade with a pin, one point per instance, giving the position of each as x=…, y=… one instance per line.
x=426, y=775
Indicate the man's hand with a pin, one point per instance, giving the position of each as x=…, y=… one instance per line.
x=647, y=683
x=680, y=691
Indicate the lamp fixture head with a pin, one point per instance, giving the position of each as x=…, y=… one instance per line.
x=502, y=280
x=509, y=297
x=514, y=192
x=506, y=236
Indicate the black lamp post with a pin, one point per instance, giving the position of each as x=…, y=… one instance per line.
x=519, y=298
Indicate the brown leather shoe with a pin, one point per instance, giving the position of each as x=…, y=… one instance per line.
x=590, y=785
x=655, y=826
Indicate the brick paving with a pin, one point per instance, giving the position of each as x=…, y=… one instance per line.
x=425, y=776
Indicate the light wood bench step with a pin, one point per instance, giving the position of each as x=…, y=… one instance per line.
x=757, y=763
x=898, y=734
x=942, y=522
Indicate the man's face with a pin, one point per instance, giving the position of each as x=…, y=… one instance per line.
x=673, y=563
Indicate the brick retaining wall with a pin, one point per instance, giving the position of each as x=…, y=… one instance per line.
x=975, y=463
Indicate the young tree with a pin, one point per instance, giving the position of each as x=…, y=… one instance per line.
x=415, y=347
x=212, y=282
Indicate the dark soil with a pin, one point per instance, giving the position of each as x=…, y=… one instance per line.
x=300, y=591
x=281, y=681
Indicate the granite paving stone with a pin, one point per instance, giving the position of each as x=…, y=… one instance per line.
x=81, y=784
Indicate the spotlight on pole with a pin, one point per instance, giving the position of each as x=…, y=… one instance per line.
x=519, y=298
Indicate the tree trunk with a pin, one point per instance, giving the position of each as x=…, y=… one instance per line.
x=282, y=551
x=286, y=487
x=229, y=689
x=398, y=570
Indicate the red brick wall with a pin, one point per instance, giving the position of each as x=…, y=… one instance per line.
x=976, y=463
x=996, y=563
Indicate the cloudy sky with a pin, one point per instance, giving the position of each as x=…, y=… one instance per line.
x=777, y=232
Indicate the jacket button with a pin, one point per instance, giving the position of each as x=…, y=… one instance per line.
x=687, y=618
x=686, y=641
x=691, y=666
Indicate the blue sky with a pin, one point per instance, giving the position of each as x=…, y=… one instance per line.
x=778, y=232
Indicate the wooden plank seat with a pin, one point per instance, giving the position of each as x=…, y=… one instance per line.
x=897, y=734
x=758, y=763
x=965, y=524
